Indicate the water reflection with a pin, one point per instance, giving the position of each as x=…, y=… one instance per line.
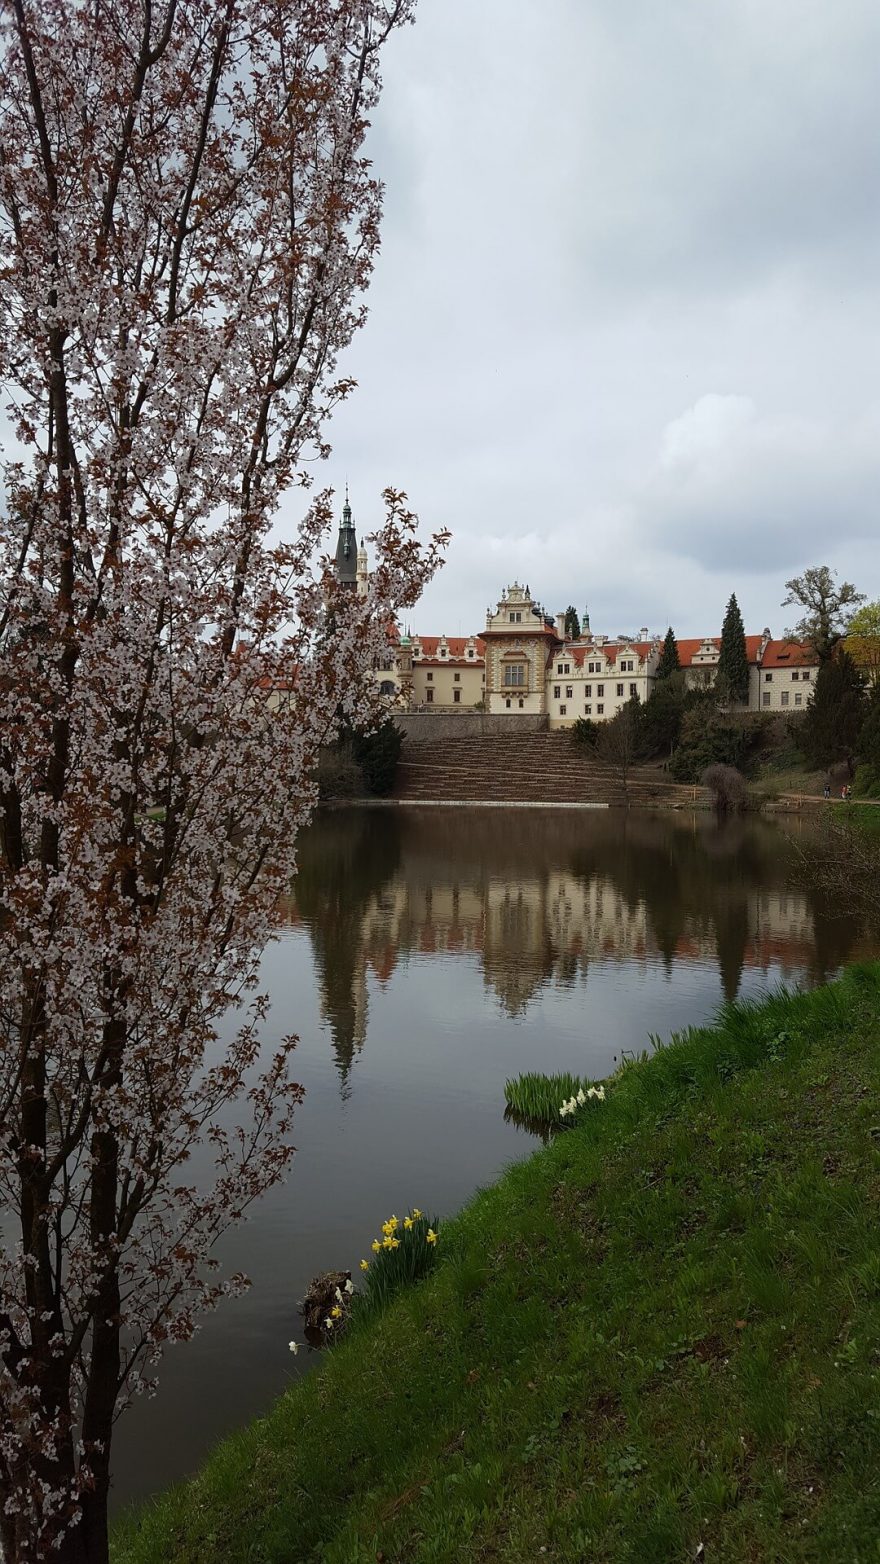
x=442, y=952
x=541, y=898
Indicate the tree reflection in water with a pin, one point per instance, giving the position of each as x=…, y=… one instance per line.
x=537, y=898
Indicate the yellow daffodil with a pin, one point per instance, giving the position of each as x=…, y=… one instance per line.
x=365, y=1264
x=335, y=1312
x=394, y=1243
x=375, y=1246
x=416, y=1212
x=431, y=1236
x=387, y=1243
x=407, y=1222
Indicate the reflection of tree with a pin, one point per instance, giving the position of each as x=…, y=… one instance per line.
x=517, y=951
x=346, y=858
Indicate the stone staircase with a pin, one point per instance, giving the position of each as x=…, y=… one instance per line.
x=527, y=768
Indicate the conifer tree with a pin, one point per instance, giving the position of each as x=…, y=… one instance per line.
x=669, y=662
x=572, y=623
x=833, y=721
x=869, y=738
x=732, y=677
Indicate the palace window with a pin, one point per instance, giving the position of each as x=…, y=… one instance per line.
x=794, y=674
x=507, y=704
x=600, y=689
x=456, y=696
x=633, y=689
x=563, y=710
x=588, y=689
x=620, y=689
x=767, y=678
x=599, y=710
x=569, y=692
x=516, y=619
x=429, y=696
x=805, y=674
x=798, y=698
x=521, y=703
x=766, y=697
x=429, y=676
x=784, y=697
x=588, y=708
x=456, y=678
x=557, y=691
x=514, y=674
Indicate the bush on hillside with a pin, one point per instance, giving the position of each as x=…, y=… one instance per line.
x=866, y=783
x=869, y=738
x=377, y=754
x=708, y=740
x=729, y=789
x=339, y=775
x=584, y=732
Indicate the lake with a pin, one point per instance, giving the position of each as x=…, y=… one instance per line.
x=423, y=958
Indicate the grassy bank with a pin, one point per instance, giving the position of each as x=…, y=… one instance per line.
x=659, y=1334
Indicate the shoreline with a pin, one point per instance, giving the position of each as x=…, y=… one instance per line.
x=626, y=1331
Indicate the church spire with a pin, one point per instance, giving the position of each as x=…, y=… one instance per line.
x=346, y=547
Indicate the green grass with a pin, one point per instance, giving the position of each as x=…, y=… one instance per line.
x=661, y=1331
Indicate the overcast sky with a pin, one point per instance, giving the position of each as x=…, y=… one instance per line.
x=623, y=334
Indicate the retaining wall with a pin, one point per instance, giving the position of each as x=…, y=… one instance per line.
x=426, y=727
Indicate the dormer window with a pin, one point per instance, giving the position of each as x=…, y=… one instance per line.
x=516, y=618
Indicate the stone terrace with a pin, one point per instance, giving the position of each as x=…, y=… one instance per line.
x=526, y=768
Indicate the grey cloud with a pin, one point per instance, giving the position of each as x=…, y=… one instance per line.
x=600, y=217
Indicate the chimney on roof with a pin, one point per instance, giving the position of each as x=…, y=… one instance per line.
x=560, y=626
x=643, y=633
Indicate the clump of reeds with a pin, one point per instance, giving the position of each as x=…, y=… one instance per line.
x=539, y=1098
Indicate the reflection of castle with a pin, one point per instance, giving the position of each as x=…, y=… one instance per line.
x=530, y=932
x=537, y=909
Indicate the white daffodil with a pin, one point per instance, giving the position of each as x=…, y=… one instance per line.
x=338, y=1296
x=581, y=1097
x=349, y=1286
x=294, y=1347
x=329, y=1323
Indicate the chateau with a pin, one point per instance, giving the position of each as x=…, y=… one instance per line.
x=523, y=661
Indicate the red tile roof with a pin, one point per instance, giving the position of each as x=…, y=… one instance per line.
x=789, y=654
x=456, y=649
x=577, y=653
x=688, y=649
